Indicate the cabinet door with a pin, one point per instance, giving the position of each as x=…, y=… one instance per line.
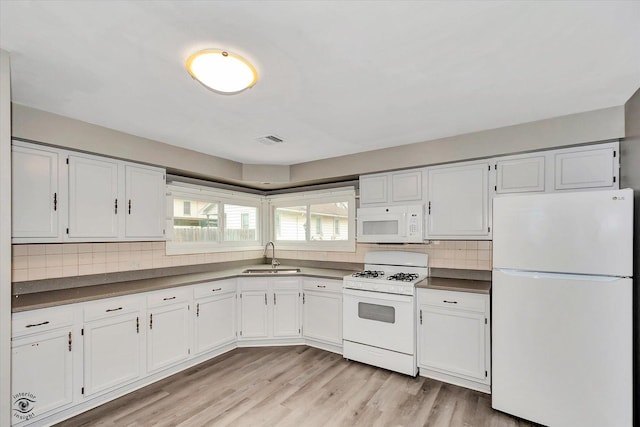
x=458, y=204
x=585, y=168
x=215, y=323
x=373, y=189
x=322, y=316
x=521, y=175
x=452, y=341
x=35, y=197
x=168, y=336
x=406, y=186
x=93, y=198
x=286, y=313
x=41, y=374
x=254, y=314
x=112, y=352
x=145, y=202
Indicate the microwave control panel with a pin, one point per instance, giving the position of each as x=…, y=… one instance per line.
x=414, y=225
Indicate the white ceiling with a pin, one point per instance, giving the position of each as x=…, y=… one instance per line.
x=335, y=77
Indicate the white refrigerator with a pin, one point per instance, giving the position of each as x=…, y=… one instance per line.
x=562, y=308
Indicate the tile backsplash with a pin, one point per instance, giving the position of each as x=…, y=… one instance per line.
x=47, y=261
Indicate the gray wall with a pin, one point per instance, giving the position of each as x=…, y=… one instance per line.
x=5, y=239
x=592, y=126
x=630, y=177
x=598, y=125
x=42, y=126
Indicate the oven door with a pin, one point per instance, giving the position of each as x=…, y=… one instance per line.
x=379, y=319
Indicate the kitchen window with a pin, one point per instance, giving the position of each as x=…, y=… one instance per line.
x=210, y=220
x=314, y=220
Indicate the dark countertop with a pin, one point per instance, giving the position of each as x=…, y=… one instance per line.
x=458, y=285
x=38, y=300
x=105, y=289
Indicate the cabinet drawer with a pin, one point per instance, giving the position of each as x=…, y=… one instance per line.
x=169, y=296
x=214, y=288
x=40, y=320
x=111, y=307
x=322, y=285
x=455, y=300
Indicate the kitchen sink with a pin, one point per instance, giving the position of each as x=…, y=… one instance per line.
x=271, y=271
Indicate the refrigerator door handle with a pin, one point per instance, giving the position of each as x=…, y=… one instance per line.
x=567, y=276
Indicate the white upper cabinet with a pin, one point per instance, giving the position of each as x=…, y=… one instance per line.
x=93, y=197
x=592, y=167
x=36, y=200
x=145, y=201
x=520, y=174
x=458, y=201
x=406, y=186
x=64, y=196
x=586, y=167
x=398, y=187
x=373, y=189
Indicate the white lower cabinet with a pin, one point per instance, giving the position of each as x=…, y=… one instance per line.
x=254, y=314
x=42, y=354
x=322, y=310
x=113, y=343
x=71, y=358
x=169, y=327
x=453, y=337
x=286, y=309
x=269, y=308
x=215, y=315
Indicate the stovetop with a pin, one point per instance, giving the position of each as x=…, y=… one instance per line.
x=393, y=272
x=379, y=274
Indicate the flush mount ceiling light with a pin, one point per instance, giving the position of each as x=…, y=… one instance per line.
x=221, y=71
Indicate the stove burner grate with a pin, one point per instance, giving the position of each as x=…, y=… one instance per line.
x=369, y=274
x=403, y=277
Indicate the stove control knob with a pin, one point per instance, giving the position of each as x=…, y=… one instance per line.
x=392, y=288
x=375, y=287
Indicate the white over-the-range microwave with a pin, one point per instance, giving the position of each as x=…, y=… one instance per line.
x=390, y=224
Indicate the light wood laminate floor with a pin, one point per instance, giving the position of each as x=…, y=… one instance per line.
x=295, y=386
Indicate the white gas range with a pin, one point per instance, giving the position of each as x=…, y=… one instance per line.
x=379, y=326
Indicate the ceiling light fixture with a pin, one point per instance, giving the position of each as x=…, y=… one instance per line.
x=221, y=71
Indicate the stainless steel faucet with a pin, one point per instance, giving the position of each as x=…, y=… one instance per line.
x=274, y=261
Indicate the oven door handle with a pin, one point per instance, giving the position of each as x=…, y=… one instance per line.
x=376, y=296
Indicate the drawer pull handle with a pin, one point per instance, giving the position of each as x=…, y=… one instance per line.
x=168, y=298
x=108, y=310
x=449, y=302
x=37, y=324
x=321, y=286
x=216, y=289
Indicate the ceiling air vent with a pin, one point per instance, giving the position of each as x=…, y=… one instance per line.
x=270, y=140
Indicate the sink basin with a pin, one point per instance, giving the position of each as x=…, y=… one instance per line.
x=271, y=271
